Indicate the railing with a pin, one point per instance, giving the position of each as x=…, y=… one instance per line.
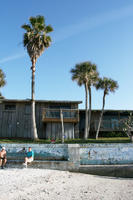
x=107, y=125
x=69, y=115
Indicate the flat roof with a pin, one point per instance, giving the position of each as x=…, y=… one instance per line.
x=40, y=101
x=109, y=110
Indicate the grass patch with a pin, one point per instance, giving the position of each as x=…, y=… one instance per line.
x=21, y=141
x=101, y=140
x=70, y=141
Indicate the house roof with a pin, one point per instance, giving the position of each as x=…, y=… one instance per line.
x=39, y=101
x=109, y=110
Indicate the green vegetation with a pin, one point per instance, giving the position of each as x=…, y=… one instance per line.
x=70, y=141
x=101, y=140
x=86, y=74
x=107, y=85
x=112, y=134
x=2, y=81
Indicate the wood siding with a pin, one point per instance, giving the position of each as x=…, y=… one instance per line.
x=15, y=121
x=111, y=121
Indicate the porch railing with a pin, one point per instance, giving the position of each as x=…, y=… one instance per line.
x=69, y=115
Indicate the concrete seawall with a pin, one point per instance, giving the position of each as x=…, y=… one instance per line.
x=101, y=159
x=106, y=154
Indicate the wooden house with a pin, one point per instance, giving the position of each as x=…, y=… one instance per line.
x=15, y=119
x=111, y=121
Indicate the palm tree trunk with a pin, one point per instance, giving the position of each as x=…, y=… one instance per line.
x=100, y=119
x=86, y=112
x=89, y=111
x=34, y=135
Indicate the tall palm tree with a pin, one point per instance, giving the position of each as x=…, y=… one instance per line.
x=92, y=81
x=36, y=41
x=85, y=74
x=2, y=81
x=107, y=85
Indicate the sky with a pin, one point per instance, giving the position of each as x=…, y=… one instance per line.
x=100, y=31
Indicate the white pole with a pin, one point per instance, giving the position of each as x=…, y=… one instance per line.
x=62, y=125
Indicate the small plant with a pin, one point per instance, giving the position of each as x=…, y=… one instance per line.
x=127, y=125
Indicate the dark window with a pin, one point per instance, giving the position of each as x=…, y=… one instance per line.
x=110, y=117
x=60, y=106
x=28, y=109
x=10, y=107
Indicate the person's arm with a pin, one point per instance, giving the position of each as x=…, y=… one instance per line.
x=33, y=154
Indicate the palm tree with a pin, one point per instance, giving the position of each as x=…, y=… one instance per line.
x=85, y=74
x=36, y=41
x=107, y=85
x=93, y=79
x=2, y=81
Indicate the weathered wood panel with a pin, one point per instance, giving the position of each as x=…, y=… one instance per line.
x=53, y=130
x=8, y=124
x=1, y=106
x=48, y=130
x=69, y=130
x=15, y=120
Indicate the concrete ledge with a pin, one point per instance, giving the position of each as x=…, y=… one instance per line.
x=57, y=165
x=125, y=171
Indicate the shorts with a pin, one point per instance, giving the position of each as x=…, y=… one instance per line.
x=2, y=158
x=30, y=159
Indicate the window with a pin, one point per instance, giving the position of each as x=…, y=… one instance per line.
x=60, y=106
x=10, y=107
x=28, y=109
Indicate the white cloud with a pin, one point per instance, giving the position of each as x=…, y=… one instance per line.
x=10, y=58
x=93, y=22
x=84, y=25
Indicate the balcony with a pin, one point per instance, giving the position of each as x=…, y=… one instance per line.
x=55, y=115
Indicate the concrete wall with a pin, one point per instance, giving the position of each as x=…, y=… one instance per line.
x=83, y=154
x=41, y=151
x=51, y=156
x=97, y=154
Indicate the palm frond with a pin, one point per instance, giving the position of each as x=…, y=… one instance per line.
x=47, y=41
x=40, y=27
x=35, y=38
x=25, y=40
x=106, y=84
x=85, y=72
x=40, y=19
x=48, y=29
x=32, y=21
x=1, y=97
x=26, y=27
x=2, y=78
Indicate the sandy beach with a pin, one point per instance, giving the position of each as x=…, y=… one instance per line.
x=41, y=184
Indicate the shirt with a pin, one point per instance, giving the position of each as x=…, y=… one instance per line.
x=30, y=154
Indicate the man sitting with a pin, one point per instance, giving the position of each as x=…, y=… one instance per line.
x=3, y=158
x=30, y=157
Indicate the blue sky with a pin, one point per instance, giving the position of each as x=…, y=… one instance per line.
x=84, y=30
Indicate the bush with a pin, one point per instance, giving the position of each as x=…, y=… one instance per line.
x=112, y=134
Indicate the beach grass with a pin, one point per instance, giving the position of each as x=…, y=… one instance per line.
x=68, y=141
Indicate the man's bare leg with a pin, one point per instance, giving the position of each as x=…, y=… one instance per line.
x=26, y=161
x=4, y=162
x=0, y=162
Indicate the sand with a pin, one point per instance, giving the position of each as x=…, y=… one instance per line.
x=41, y=184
